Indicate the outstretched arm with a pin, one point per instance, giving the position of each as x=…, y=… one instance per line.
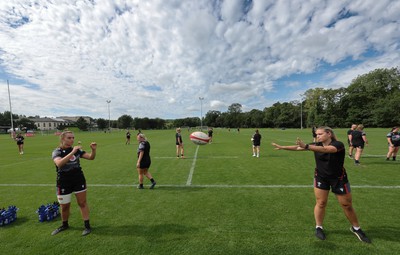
x=288, y=148
x=315, y=148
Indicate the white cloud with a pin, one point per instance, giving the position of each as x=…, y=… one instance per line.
x=155, y=58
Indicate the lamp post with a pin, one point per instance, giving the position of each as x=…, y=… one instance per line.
x=11, y=116
x=109, y=116
x=201, y=113
x=301, y=111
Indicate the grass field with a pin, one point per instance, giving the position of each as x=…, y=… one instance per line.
x=219, y=200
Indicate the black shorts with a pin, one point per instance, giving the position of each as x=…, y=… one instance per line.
x=396, y=144
x=145, y=164
x=340, y=186
x=19, y=143
x=360, y=146
x=69, y=183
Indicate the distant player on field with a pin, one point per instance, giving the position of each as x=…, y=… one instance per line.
x=20, y=143
x=144, y=161
x=128, y=138
x=210, y=134
x=351, y=148
x=358, y=139
x=393, y=138
x=179, y=143
x=256, y=139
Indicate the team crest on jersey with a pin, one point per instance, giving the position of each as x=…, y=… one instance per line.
x=73, y=158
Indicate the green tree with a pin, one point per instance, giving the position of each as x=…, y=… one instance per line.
x=314, y=106
x=5, y=119
x=26, y=124
x=235, y=115
x=369, y=92
x=211, y=118
x=125, y=121
x=282, y=115
x=387, y=114
x=255, y=118
x=82, y=124
x=102, y=123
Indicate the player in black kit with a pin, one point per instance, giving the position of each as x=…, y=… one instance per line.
x=330, y=174
x=70, y=178
x=358, y=139
x=393, y=138
x=20, y=143
x=179, y=143
x=144, y=161
x=256, y=139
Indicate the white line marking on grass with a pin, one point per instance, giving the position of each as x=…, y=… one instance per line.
x=373, y=156
x=224, y=157
x=189, y=180
x=213, y=157
x=199, y=186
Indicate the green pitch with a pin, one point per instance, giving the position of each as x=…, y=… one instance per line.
x=219, y=200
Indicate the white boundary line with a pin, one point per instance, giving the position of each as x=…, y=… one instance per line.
x=189, y=180
x=213, y=157
x=200, y=186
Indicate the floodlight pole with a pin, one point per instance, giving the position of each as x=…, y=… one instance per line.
x=109, y=116
x=301, y=112
x=201, y=113
x=9, y=100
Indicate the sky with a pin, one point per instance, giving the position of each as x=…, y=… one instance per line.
x=157, y=58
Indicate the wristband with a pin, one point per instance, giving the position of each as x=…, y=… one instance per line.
x=307, y=146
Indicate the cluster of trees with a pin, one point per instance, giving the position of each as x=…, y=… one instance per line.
x=372, y=99
x=127, y=122
x=21, y=122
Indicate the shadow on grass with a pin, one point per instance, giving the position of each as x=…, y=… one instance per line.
x=325, y=245
x=155, y=232
x=19, y=221
x=382, y=162
x=386, y=233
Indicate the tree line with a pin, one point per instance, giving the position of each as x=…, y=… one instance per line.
x=372, y=99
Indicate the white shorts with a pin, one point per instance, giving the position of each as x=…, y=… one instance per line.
x=66, y=199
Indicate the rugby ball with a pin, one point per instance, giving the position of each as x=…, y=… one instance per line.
x=199, y=138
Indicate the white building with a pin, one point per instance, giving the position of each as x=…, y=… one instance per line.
x=49, y=123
